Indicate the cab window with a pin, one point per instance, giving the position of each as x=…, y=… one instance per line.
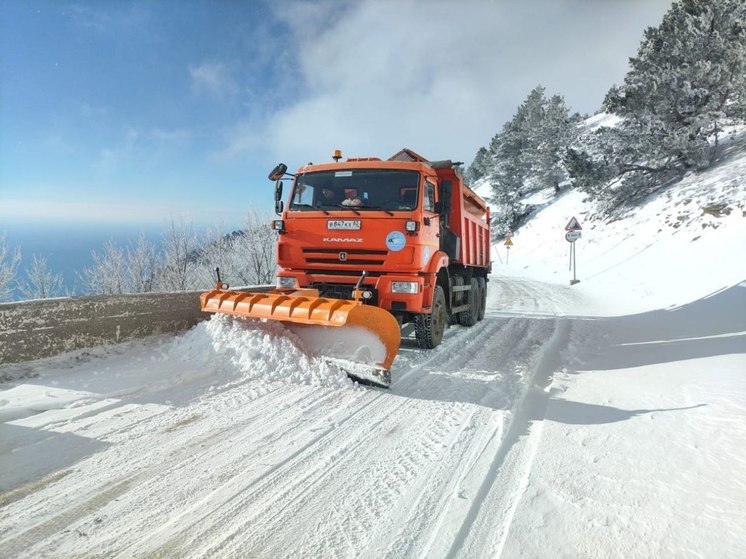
x=303, y=195
x=429, y=201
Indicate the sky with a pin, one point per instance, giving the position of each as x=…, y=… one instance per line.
x=139, y=112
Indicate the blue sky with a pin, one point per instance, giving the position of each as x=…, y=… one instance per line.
x=139, y=111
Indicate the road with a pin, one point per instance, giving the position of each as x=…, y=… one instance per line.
x=158, y=449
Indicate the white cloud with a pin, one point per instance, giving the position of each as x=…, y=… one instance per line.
x=214, y=79
x=439, y=77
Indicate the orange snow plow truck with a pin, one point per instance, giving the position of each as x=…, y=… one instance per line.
x=365, y=247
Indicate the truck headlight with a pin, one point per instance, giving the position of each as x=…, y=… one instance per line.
x=405, y=287
x=285, y=282
x=278, y=225
x=411, y=226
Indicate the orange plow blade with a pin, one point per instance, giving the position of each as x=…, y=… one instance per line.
x=370, y=336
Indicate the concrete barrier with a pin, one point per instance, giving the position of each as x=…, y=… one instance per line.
x=34, y=329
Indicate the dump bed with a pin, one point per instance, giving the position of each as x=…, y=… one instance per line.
x=469, y=221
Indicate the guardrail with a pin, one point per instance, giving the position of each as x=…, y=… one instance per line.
x=46, y=327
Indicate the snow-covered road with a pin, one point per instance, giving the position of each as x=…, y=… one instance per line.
x=228, y=441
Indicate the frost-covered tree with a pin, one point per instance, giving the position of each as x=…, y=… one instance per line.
x=40, y=281
x=527, y=155
x=686, y=83
x=179, y=267
x=480, y=167
x=258, y=249
x=142, y=264
x=107, y=275
x=557, y=130
x=216, y=251
x=9, y=261
x=245, y=257
x=116, y=270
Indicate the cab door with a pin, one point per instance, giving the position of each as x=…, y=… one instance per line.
x=430, y=232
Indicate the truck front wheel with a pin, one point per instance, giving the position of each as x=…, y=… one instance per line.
x=428, y=328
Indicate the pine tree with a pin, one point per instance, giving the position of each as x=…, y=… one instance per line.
x=527, y=156
x=686, y=83
x=558, y=129
x=480, y=167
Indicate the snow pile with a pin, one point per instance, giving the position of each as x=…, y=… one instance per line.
x=255, y=350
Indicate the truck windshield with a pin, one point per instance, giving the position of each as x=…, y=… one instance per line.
x=356, y=189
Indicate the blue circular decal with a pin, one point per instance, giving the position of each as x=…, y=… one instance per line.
x=396, y=241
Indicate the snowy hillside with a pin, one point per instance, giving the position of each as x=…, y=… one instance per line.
x=606, y=419
x=686, y=242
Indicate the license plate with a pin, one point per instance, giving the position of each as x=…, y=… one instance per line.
x=348, y=224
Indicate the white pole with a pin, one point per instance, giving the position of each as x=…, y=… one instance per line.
x=574, y=266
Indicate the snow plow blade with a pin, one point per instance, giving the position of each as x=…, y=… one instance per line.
x=362, y=339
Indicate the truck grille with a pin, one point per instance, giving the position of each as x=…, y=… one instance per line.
x=352, y=257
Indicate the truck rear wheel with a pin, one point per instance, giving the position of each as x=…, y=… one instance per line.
x=482, y=297
x=458, y=296
x=469, y=317
x=428, y=328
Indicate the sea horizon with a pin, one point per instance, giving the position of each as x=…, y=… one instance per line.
x=68, y=246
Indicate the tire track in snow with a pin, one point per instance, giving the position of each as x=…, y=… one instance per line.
x=460, y=496
x=378, y=410
x=378, y=495
x=238, y=494
x=426, y=469
x=509, y=472
x=151, y=465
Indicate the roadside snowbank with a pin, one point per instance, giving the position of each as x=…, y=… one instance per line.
x=644, y=426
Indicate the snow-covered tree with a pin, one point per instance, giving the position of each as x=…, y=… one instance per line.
x=216, y=251
x=480, y=167
x=40, y=281
x=686, y=83
x=108, y=274
x=116, y=270
x=557, y=130
x=9, y=262
x=142, y=264
x=245, y=257
x=178, y=271
x=258, y=248
x=527, y=155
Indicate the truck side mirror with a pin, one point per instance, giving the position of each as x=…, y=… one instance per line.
x=279, y=206
x=278, y=190
x=278, y=172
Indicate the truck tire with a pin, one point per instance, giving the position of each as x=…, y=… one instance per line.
x=428, y=328
x=482, y=297
x=469, y=317
x=458, y=296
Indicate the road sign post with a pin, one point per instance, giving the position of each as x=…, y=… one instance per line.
x=508, y=243
x=573, y=233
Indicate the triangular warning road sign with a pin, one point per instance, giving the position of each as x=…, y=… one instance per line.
x=573, y=225
x=508, y=242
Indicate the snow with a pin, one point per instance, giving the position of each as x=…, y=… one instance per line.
x=602, y=419
x=664, y=254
